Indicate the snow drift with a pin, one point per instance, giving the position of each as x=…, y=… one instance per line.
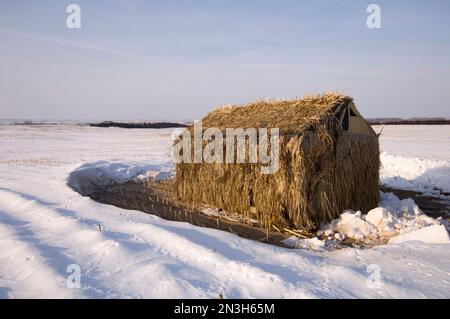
x=101, y=174
x=383, y=224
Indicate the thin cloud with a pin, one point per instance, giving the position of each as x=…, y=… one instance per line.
x=71, y=44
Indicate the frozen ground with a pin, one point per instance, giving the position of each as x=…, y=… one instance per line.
x=416, y=157
x=45, y=227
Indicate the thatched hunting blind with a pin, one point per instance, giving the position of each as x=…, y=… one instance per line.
x=328, y=162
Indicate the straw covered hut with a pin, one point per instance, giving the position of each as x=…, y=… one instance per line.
x=328, y=162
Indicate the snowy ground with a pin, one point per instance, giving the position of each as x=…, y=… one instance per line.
x=416, y=157
x=45, y=226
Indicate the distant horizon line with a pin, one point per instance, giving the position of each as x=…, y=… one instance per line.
x=193, y=119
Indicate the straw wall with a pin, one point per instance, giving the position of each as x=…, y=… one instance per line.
x=322, y=172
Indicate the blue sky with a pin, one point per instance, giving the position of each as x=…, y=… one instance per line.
x=179, y=59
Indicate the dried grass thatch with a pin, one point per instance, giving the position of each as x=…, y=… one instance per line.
x=290, y=116
x=323, y=168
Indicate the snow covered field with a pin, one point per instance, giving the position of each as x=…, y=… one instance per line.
x=45, y=227
x=416, y=157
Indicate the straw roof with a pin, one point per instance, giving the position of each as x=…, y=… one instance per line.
x=290, y=116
